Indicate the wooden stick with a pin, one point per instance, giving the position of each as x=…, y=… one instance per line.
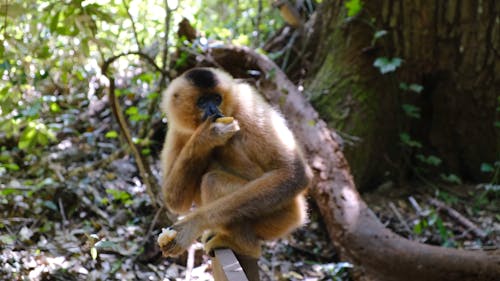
x=226, y=267
x=457, y=216
x=400, y=218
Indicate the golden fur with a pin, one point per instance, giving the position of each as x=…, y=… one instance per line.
x=246, y=177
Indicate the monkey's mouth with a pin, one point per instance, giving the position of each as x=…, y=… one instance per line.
x=211, y=111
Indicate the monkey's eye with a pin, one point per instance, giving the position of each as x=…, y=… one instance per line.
x=201, y=101
x=217, y=99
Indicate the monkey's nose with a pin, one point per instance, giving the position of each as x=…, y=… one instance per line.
x=212, y=112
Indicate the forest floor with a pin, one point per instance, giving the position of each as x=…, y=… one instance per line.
x=78, y=211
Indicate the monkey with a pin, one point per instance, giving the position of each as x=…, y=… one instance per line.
x=246, y=175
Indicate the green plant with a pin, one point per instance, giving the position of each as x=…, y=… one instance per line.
x=432, y=222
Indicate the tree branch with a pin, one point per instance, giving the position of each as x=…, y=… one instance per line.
x=144, y=168
x=134, y=29
x=105, y=65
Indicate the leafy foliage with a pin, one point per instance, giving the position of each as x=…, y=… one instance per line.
x=353, y=7
x=386, y=65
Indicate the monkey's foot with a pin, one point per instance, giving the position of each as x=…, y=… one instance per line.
x=207, y=236
x=168, y=244
x=166, y=236
x=221, y=241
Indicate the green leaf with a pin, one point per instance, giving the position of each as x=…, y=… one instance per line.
x=451, y=178
x=93, y=253
x=103, y=244
x=386, y=65
x=406, y=139
x=54, y=107
x=11, y=166
x=111, y=135
x=133, y=110
x=412, y=87
x=417, y=229
x=416, y=88
x=146, y=151
x=54, y=21
x=432, y=219
x=8, y=191
x=431, y=160
x=443, y=232
x=411, y=110
x=379, y=34
x=152, y=96
x=487, y=168
x=353, y=7
x=120, y=195
x=7, y=239
x=51, y=205
x=138, y=117
x=26, y=141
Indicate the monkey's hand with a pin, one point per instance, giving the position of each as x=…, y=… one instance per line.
x=218, y=133
x=175, y=240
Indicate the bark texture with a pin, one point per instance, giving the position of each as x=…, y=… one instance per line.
x=452, y=48
x=378, y=254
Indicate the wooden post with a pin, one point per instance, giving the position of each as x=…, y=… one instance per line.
x=227, y=267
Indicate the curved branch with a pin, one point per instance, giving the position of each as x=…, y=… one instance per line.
x=144, y=168
x=354, y=229
x=105, y=65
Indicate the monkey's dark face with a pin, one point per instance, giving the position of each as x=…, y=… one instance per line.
x=198, y=95
x=208, y=100
x=209, y=104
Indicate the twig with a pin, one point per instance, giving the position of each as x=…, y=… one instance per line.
x=91, y=167
x=144, y=169
x=168, y=15
x=150, y=60
x=400, y=217
x=92, y=206
x=63, y=214
x=144, y=130
x=190, y=262
x=415, y=205
x=457, y=216
x=257, y=24
x=134, y=29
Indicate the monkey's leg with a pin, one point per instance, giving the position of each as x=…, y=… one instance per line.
x=281, y=221
x=217, y=183
x=240, y=236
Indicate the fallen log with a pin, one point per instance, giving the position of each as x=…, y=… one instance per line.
x=357, y=234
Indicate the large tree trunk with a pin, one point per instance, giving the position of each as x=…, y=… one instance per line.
x=452, y=48
x=377, y=253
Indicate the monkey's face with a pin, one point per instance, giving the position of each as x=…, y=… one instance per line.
x=198, y=95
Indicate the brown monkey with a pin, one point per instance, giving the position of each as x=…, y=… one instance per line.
x=245, y=175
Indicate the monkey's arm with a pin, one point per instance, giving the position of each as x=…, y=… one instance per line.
x=257, y=198
x=183, y=172
x=183, y=167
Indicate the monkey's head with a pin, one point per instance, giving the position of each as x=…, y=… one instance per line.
x=197, y=95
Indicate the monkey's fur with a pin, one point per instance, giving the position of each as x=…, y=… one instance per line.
x=246, y=177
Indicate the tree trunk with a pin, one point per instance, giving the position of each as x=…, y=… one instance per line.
x=377, y=253
x=451, y=48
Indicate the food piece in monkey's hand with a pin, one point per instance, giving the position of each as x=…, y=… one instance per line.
x=225, y=120
x=167, y=235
